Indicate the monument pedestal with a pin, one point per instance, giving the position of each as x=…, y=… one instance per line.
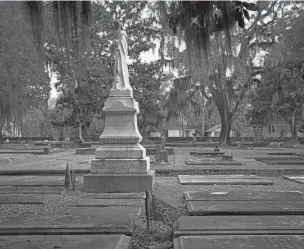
x=120, y=164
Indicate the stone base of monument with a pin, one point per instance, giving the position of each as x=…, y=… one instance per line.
x=111, y=183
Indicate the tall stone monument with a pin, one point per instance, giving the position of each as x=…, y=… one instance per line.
x=120, y=164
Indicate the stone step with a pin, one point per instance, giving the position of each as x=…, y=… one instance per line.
x=107, y=202
x=31, y=190
x=240, y=242
x=255, y=207
x=205, y=180
x=74, y=220
x=238, y=225
x=22, y=199
x=66, y=242
x=243, y=196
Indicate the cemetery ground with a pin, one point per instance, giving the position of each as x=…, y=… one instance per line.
x=44, y=170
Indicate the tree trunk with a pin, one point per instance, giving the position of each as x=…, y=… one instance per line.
x=293, y=126
x=225, y=115
x=226, y=121
x=1, y=135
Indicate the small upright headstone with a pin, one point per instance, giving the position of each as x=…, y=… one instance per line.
x=217, y=149
x=163, y=157
x=157, y=153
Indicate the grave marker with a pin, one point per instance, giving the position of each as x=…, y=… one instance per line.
x=238, y=225
x=254, y=207
x=240, y=242
x=240, y=196
x=66, y=241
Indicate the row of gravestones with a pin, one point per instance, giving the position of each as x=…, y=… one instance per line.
x=241, y=220
x=110, y=217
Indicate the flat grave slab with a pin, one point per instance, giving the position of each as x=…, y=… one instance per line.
x=21, y=199
x=277, y=158
x=114, y=196
x=28, y=151
x=299, y=161
x=107, y=202
x=297, y=179
x=240, y=242
x=74, y=220
x=281, y=153
x=33, y=183
x=66, y=242
x=210, y=161
x=206, y=153
x=31, y=190
x=223, y=180
x=254, y=207
x=238, y=225
x=243, y=196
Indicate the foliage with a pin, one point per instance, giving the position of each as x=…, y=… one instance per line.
x=24, y=83
x=280, y=93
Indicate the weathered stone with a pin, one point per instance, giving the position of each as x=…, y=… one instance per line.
x=107, y=183
x=254, y=207
x=284, y=153
x=114, y=196
x=299, y=162
x=107, y=202
x=240, y=242
x=32, y=190
x=210, y=161
x=74, y=220
x=223, y=180
x=86, y=151
x=22, y=199
x=122, y=152
x=297, y=179
x=206, y=153
x=227, y=157
x=66, y=242
x=239, y=196
x=238, y=225
x=32, y=183
x=163, y=156
x=120, y=166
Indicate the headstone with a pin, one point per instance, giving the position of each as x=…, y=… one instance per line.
x=255, y=207
x=223, y=180
x=243, y=196
x=74, y=220
x=163, y=157
x=216, y=149
x=107, y=202
x=21, y=199
x=240, y=242
x=66, y=241
x=238, y=225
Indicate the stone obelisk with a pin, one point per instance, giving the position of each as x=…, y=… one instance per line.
x=120, y=164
